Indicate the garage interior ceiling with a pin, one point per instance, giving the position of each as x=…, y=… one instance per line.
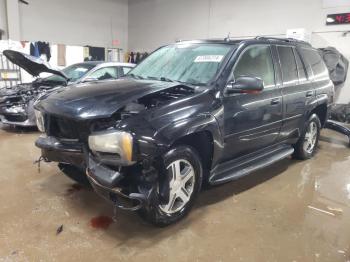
x=147, y=24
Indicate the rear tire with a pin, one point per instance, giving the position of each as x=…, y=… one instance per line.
x=306, y=146
x=75, y=173
x=184, y=174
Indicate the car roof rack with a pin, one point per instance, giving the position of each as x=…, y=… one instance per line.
x=287, y=40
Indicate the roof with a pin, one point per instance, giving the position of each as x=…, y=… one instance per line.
x=91, y=62
x=103, y=63
x=256, y=39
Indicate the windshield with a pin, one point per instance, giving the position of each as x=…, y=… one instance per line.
x=195, y=64
x=73, y=72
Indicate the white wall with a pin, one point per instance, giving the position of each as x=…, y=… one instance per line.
x=3, y=18
x=156, y=22
x=75, y=22
x=153, y=23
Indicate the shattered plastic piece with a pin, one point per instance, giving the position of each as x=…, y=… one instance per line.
x=59, y=230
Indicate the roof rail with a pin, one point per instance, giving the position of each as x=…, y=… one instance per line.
x=287, y=40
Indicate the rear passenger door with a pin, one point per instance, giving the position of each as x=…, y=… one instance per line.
x=297, y=91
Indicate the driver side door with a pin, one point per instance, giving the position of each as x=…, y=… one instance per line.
x=252, y=121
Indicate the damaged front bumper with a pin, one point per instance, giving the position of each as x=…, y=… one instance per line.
x=14, y=120
x=17, y=116
x=105, y=183
x=61, y=151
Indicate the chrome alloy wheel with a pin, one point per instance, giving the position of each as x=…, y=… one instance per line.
x=310, y=138
x=181, y=185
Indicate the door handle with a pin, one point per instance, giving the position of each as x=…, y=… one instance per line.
x=275, y=101
x=309, y=93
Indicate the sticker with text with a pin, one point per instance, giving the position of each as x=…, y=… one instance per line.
x=208, y=58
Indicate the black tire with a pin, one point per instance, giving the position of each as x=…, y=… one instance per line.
x=299, y=149
x=75, y=173
x=154, y=213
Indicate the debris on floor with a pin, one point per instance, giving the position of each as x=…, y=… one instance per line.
x=59, y=230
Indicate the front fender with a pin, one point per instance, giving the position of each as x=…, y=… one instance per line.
x=165, y=137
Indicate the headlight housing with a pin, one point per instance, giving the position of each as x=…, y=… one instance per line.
x=113, y=142
x=40, y=122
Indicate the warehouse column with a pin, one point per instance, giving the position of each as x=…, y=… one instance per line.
x=13, y=20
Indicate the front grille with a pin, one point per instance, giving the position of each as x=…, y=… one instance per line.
x=16, y=118
x=67, y=128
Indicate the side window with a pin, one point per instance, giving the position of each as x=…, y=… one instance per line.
x=256, y=61
x=301, y=68
x=125, y=70
x=288, y=65
x=314, y=59
x=104, y=73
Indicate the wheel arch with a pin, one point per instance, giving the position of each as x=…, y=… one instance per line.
x=322, y=112
x=203, y=133
x=202, y=142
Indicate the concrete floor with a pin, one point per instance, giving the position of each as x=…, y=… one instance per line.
x=291, y=211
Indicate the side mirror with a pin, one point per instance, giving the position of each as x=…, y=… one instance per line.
x=90, y=79
x=245, y=85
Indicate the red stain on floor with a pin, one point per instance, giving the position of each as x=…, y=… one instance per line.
x=102, y=222
x=73, y=188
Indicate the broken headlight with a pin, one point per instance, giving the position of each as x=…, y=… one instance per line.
x=113, y=142
x=40, y=122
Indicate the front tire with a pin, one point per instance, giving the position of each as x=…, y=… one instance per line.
x=306, y=146
x=183, y=179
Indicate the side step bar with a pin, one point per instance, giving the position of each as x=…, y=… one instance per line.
x=238, y=168
x=336, y=126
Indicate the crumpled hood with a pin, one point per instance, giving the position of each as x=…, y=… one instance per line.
x=100, y=99
x=31, y=64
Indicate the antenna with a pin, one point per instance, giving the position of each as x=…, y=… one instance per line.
x=227, y=39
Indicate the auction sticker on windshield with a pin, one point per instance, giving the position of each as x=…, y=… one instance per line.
x=208, y=58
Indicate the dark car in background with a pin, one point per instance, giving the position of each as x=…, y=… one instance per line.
x=193, y=112
x=16, y=103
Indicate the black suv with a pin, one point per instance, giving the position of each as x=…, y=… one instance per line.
x=193, y=112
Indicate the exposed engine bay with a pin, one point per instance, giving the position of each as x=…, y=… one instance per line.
x=155, y=100
x=16, y=103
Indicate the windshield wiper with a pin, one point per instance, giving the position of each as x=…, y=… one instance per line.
x=166, y=79
x=162, y=78
x=135, y=76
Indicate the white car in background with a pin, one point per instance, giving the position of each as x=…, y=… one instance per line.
x=16, y=103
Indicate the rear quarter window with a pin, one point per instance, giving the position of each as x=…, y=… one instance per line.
x=288, y=65
x=314, y=60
